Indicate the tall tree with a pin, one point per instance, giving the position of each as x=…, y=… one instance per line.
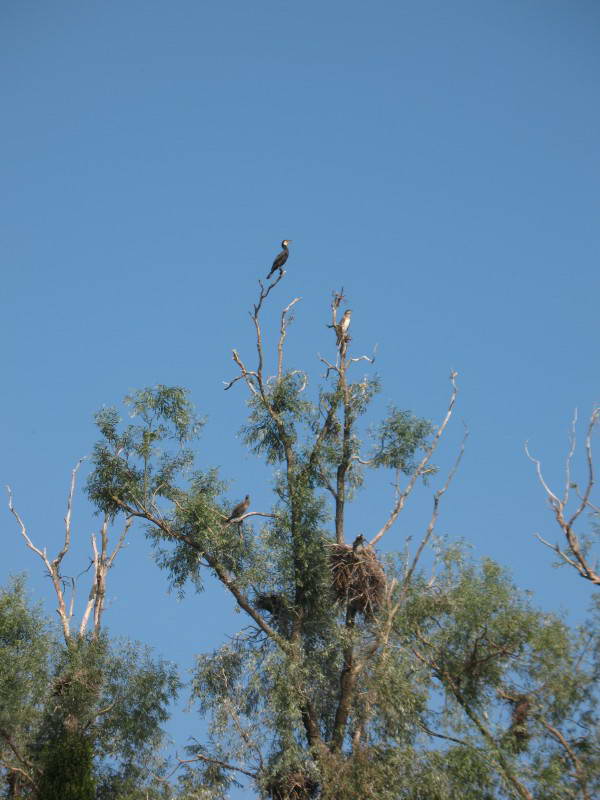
x=358, y=677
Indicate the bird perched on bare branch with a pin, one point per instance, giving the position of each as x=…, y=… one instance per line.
x=358, y=543
x=343, y=325
x=240, y=509
x=280, y=258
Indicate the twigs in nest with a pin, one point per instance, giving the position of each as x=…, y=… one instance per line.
x=294, y=785
x=357, y=578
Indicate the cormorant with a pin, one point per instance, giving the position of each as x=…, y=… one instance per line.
x=359, y=543
x=240, y=509
x=344, y=324
x=281, y=258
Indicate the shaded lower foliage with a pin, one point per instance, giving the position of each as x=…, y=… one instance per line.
x=67, y=768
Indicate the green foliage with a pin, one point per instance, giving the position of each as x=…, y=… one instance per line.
x=397, y=439
x=67, y=768
x=25, y=649
x=136, y=464
x=70, y=714
x=450, y=691
x=262, y=433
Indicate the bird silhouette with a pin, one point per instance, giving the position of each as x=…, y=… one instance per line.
x=280, y=258
x=240, y=509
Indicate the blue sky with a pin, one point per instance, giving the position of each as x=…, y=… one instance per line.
x=439, y=160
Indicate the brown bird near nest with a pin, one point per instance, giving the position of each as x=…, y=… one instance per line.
x=240, y=509
x=344, y=324
x=359, y=543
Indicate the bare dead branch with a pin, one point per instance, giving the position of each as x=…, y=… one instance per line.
x=237, y=520
x=51, y=566
x=578, y=766
x=538, y=467
x=590, y=467
x=421, y=467
x=30, y=544
x=101, y=561
x=120, y=542
x=224, y=764
x=92, y=594
x=570, y=454
x=282, y=333
x=556, y=549
x=67, y=542
x=370, y=359
x=264, y=293
x=19, y=771
x=429, y=732
x=573, y=554
x=330, y=367
x=434, y=516
x=15, y=750
x=245, y=374
x=206, y=759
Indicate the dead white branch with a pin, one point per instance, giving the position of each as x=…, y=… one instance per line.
x=421, y=467
x=282, y=334
x=434, y=517
x=102, y=562
x=573, y=554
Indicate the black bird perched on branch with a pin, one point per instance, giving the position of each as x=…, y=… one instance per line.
x=240, y=509
x=281, y=258
x=359, y=543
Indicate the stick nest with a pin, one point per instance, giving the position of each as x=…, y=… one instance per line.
x=295, y=785
x=357, y=578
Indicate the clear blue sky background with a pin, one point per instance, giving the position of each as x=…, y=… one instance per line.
x=439, y=160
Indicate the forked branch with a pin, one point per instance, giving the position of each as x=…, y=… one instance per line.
x=285, y=321
x=433, y=520
x=574, y=553
x=421, y=467
x=102, y=561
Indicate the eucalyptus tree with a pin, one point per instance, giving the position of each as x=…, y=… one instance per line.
x=356, y=675
x=81, y=714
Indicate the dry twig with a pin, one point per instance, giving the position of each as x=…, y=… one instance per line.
x=574, y=554
x=421, y=467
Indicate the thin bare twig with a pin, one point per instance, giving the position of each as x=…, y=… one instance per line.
x=421, y=467
x=101, y=561
x=67, y=542
x=579, y=768
x=208, y=760
x=245, y=374
x=573, y=554
x=434, y=516
x=51, y=566
x=237, y=520
x=282, y=333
